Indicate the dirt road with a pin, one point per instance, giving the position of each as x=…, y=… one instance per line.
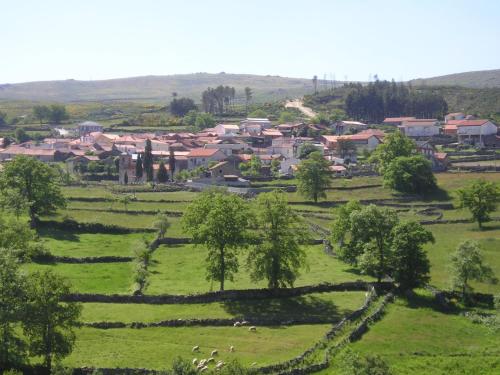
x=297, y=103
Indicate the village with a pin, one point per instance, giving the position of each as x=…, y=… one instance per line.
x=233, y=154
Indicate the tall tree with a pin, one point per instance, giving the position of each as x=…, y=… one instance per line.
x=341, y=231
x=372, y=228
x=148, y=160
x=255, y=165
x=49, y=322
x=467, y=264
x=248, y=97
x=315, y=84
x=12, y=304
x=21, y=135
x=33, y=181
x=181, y=106
x=220, y=222
x=171, y=163
x=395, y=145
x=41, y=113
x=57, y=113
x=481, y=198
x=410, y=264
x=279, y=257
x=162, y=175
x=138, y=168
x=313, y=176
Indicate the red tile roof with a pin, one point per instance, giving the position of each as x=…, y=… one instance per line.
x=471, y=122
x=202, y=152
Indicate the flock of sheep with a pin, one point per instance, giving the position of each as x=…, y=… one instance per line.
x=202, y=364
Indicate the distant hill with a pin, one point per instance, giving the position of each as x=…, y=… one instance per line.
x=477, y=80
x=155, y=88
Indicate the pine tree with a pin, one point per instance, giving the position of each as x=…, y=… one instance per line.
x=148, y=160
x=162, y=175
x=125, y=178
x=138, y=168
x=171, y=163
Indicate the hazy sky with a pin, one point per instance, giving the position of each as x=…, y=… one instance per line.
x=99, y=39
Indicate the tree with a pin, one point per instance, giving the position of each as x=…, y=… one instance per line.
x=57, y=113
x=395, y=145
x=345, y=147
x=371, y=228
x=275, y=167
x=410, y=265
x=341, y=228
x=49, y=322
x=171, y=163
x=279, y=257
x=148, y=160
x=220, y=222
x=180, y=107
x=315, y=84
x=313, y=176
x=12, y=304
x=41, y=113
x=481, y=198
x=410, y=174
x=286, y=117
x=125, y=178
x=21, y=135
x=161, y=224
x=305, y=149
x=35, y=183
x=248, y=97
x=3, y=118
x=467, y=264
x=204, y=121
x=255, y=165
x=138, y=168
x=351, y=363
x=258, y=113
x=162, y=175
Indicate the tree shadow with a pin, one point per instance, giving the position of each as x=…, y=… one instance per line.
x=417, y=301
x=58, y=234
x=437, y=195
x=283, y=309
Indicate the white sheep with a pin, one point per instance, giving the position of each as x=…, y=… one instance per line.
x=203, y=369
x=237, y=324
x=195, y=361
x=231, y=349
x=214, y=353
x=244, y=323
x=219, y=365
x=196, y=348
x=203, y=362
x=252, y=328
x=211, y=359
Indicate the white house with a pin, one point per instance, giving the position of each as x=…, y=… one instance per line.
x=342, y=127
x=89, y=127
x=419, y=128
x=227, y=130
x=473, y=131
x=200, y=157
x=252, y=122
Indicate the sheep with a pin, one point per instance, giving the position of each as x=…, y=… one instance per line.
x=219, y=364
x=236, y=324
x=244, y=323
x=195, y=361
x=253, y=364
x=203, y=369
x=203, y=362
x=211, y=359
x=252, y=328
x=214, y=353
x=231, y=349
x=196, y=348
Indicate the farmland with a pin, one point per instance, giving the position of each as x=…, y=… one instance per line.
x=284, y=332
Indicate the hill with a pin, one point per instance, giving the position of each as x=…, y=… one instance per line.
x=155, y=88
x=477, y=79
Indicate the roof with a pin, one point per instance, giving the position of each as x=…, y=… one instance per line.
x=353, y=123
x=230, y=126
x=202, y=152
x=218, y=165
x=471, y=122
x=418, y=123
x=89, y=123
x=398, y=119
x=272, y=132
x=256, y=119
x=337, y=168
x=440, y=155
x=450, y=127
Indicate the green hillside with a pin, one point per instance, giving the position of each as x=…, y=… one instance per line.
x=477, y=79
x=155, y=88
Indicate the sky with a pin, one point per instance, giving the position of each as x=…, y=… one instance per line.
x=336, y=39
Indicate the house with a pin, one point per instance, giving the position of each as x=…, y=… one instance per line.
x=223, y=168
x=87, y=127
x=201, y=157
x=228, y=147
x=343, y=127
x=225, y=130
x=79, y=162
x=419, y=128
x=396, y=121
x=450, y=130
x=366, y=139
x=457, y=116
x=473, y=131
x=42, y=154
x=255, y=125
x=439, y=160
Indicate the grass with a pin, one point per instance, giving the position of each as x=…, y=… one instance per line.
x=416, y=338
x=105, y=278
x=329, y=306
x=181, y=270
x=157, y=347
x=64, y=243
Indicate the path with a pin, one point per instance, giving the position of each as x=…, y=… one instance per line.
x=297, y=103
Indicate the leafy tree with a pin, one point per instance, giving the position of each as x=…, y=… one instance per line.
x=341, y=228
x=258, y=113
x=306, y=149
x=148, y=160
x=35, y=183
x=279, y=257
x=204, y=121
x=138, y=168
x=345, y=147
x=467, y=264
x=481, y=198
x=21, y=135
x=321, y=118
x=255, y=165
x=395, y=145
x=12, y=304
x=3, y=118
x=49, y=322
x=410, y=265
x=181, y=106
x=410, y=174
x=171, y=163
x=275, y=167
x=190, y=118
x=16, y=236
x=286, y=117
x=248, y=97
x=161, y=224
x=313, y=176
x=41, y=113
x=218, y=100
x=371, y=228
x=162, y=175
x=220, y=222
x=57, y=113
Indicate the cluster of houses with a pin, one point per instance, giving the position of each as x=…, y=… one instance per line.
x=221, y=150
